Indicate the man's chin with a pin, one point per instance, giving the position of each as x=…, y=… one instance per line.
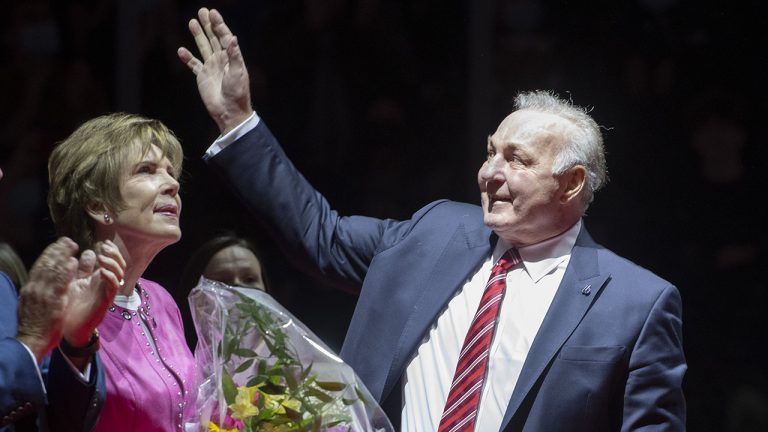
x=494, y=221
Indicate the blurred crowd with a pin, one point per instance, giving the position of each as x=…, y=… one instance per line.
x=391, y=103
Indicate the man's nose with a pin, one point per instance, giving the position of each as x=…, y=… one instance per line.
x=493, y=169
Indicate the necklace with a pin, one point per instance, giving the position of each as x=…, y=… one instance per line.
x=142, y=311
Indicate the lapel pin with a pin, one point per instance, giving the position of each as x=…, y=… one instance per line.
x=586, y=290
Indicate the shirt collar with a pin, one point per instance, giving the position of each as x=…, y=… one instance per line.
x=131, y=302
x=541, y=258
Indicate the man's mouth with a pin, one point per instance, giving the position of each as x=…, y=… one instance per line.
x=494, y=198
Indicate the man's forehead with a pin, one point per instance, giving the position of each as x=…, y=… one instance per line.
x=521, y=126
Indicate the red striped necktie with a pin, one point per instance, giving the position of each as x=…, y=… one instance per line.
x=460, y=412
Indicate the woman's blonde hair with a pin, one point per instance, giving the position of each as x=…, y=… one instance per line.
x=85, y=170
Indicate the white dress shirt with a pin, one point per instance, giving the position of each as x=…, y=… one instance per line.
x=224, y=140
x=531, y=286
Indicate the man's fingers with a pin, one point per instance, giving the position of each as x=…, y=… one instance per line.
x=56, y=266
x=44, y=298
x=86, y=264
x=186, y=57
x=61, y=249
x=220, y=28
x=205, y=21
x=201, y=40
x=236, y=61
x=68, y=244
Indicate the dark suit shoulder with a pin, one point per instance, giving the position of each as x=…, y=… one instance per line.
x=434, y=223
x=619, y=266
x=446, y=213
x=626, y=268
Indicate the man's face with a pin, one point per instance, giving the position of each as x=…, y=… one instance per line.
x=521, y=198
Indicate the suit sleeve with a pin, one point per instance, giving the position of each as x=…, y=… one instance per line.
x=336, y=248
x=653, y=398
x=73, y=404
x=21, y=392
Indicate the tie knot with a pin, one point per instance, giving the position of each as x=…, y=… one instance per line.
x=510, y=259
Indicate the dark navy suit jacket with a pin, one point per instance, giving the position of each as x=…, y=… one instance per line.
x=608, y=355
x=67, y=404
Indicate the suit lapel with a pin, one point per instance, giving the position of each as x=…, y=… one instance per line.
x=462, y=255
x=580, y=286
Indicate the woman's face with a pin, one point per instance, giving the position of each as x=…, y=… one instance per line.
x=150, y=192
x=236, y=266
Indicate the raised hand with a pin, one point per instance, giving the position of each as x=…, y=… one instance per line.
x=222, y=78
x=99, y=275
x=43, y=300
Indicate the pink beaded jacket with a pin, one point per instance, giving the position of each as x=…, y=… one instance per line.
x=150, y=371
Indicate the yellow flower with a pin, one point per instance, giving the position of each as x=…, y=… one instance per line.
x=292, y=404
x=277, y=403
x=213, y=427
x=273, y=402
x=243, y=406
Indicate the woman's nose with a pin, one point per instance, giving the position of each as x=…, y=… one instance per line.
x=172, y=185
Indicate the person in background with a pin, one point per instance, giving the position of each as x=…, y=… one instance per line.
x=115, y=179
x=504, y=316
x=226, y=258
x=52, y=320
x=12, y=266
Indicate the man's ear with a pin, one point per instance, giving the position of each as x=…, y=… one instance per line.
x=99, y=213
x=575, y=180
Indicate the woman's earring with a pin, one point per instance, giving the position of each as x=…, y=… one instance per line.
x=107, y=219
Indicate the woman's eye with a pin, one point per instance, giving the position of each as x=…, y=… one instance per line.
x=144, y=169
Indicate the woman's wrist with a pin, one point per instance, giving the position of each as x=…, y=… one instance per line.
x=80, y=349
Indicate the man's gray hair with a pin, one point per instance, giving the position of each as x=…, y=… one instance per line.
x=584, y=144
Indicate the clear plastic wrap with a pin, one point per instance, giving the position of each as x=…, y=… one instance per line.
x=263, y=370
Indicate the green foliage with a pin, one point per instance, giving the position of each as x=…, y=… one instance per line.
x=286, y=394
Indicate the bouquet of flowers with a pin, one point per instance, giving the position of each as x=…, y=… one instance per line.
x=263, y=370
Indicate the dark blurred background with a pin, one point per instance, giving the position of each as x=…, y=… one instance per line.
x=386, y=105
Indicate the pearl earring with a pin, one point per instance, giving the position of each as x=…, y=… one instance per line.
x=107, y=219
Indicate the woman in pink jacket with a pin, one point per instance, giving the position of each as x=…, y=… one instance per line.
x=116, y=178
